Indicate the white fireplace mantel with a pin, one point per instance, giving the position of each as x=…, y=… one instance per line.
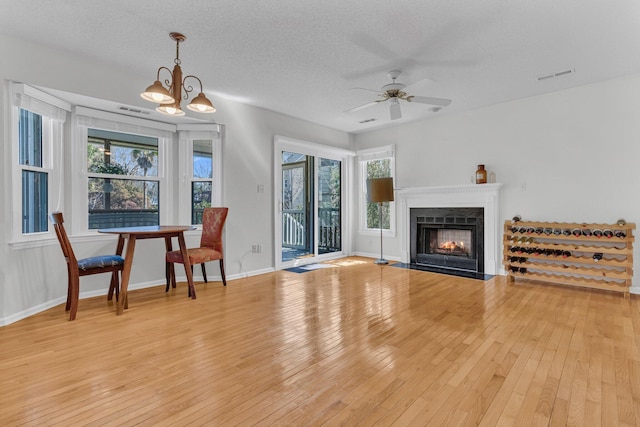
x=457, y=196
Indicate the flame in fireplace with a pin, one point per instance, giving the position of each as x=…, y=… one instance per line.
x=451, y=246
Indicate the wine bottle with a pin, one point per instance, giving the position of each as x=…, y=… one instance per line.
x=548, y=231
x=566, y=254
x=607, y=233
x=621, y=234
x=586, y=232
x=597, y=232
x=597, y=256
x=566, y=232
x=576, y=232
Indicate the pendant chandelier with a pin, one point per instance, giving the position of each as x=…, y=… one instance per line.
x=170, y=97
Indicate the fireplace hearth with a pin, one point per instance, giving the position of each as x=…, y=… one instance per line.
x=448, y=238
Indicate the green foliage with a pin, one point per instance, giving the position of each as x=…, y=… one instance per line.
x=378, y=169
x=109, y=168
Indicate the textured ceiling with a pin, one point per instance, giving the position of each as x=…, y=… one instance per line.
x=305, y=58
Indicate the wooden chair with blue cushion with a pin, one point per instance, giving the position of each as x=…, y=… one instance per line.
x=84, y=267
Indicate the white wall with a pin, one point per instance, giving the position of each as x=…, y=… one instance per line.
x=34, y=279
x=568, y=156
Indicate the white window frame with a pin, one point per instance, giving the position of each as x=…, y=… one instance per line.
x=364, y=156
x=84, y=118
x=187, y=133
x=54, y=114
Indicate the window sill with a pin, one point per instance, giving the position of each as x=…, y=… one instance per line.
x=33, y=243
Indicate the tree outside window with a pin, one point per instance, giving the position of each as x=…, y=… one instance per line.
x=380, y=168
x=123, y=184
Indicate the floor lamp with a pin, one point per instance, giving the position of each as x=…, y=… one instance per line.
x=380, y=190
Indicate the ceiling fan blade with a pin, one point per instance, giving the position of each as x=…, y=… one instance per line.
x=362, y=107
x=394, y=110
x=442, y=102
x=364, y=88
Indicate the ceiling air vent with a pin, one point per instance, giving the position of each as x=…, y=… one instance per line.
x=558, y=74
x=367, y=121
x=134, y=110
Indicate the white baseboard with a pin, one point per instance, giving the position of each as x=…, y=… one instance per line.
x=376, y=256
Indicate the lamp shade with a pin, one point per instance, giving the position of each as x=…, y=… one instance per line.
x=380, y=190
x=157, y=93
x=201, y=104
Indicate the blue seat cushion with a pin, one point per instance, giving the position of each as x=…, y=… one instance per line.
x=100, y=261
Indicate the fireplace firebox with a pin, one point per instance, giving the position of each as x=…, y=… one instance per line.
x=449, y=238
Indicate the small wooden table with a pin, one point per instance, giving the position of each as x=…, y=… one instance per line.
x=131, y=234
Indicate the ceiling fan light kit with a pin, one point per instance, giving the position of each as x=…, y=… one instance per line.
x=170, y=97
x=393, y=93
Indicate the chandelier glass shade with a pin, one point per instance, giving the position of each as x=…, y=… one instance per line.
x=170, y=94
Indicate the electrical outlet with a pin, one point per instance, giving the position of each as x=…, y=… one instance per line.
x=256, y=249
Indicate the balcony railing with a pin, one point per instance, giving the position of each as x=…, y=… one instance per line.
x=329, y=231
x=117, y=218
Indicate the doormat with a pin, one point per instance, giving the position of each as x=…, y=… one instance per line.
x=308, y=267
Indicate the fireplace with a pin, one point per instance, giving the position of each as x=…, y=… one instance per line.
x=485, y=197
x=450, y=238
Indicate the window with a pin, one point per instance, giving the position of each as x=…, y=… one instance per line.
x=201, y=181
x=124, y=171
x=376, y=163
x=200, y=144
x=35, y=185
x=37, y=129
x=123, y=185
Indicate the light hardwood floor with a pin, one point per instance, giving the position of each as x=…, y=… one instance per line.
x=355, y=344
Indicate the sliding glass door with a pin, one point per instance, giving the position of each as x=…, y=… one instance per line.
x=310, y=199
x=297, y=206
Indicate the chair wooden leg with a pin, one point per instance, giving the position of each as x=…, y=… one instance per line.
x=224, y=280
x=113, y=286
x=116, y=280
x=75, y=294
x=68, y=305
x=172, y=267
x=204, y=272
x=189, y=288
x=167, y=274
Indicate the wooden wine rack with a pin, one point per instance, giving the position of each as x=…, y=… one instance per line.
x=545, y=251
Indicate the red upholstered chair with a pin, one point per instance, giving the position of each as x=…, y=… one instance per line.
x=210, y=249
x=84, y=267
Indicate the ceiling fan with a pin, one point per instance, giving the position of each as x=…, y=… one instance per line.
x=393, y=93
